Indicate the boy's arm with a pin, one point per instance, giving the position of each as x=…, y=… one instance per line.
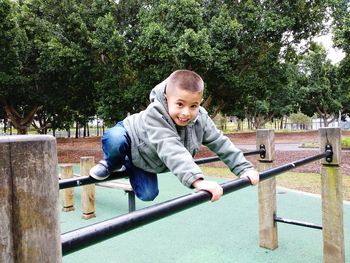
x=226, y=150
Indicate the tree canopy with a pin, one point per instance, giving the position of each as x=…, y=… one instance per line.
x=69, y=61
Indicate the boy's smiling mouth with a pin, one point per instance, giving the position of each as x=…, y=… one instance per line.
x=183, y=120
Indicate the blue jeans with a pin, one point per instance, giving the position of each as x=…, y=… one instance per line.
x=116, y=151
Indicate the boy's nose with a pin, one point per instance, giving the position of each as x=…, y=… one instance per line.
x=185, y=111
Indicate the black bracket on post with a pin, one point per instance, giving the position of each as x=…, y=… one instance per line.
x=329, y=151
x=262, y=151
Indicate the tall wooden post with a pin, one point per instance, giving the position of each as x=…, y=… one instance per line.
x=67, y=194
x=29, y=209
x=332, y=198
x=267, y=191
x=88, y=191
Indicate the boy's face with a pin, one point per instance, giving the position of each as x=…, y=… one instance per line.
x=183, y=105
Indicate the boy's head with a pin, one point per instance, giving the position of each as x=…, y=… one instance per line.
x=184, y=93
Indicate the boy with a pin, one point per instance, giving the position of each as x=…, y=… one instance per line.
x=166, y=136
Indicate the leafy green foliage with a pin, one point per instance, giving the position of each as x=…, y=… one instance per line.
x=320, y=91
x=67, y=61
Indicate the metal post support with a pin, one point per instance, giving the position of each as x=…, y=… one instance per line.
x=131, y=201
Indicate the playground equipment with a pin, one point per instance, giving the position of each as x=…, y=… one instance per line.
x=69, y=180
x=40, y=170
x=84, y=237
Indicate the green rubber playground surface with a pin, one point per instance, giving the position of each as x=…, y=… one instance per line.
x=224, y=231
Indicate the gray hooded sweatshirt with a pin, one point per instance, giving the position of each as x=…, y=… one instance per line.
x=159, y=145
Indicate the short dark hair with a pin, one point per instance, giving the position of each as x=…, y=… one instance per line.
x=186, y=80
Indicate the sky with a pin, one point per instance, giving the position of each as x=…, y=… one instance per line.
x=334, y=54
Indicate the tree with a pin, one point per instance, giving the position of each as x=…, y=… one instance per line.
x=238, y=47
x=320, y=92
x=112, y=72
x=269, y=32
x=300, y=119
x=64, y=69
x=12, y=43
x=170, y=36
x=341, y=23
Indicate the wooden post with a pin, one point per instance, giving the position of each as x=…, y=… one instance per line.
x=332, y=198
x=267, y=192
x=67, y=194
x=88, y=191
x=29, y=209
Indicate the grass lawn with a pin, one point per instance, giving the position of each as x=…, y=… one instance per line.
x=306, y=182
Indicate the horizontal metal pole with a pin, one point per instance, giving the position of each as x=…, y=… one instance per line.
x=85, y=180
x=289, y=166
x=81, y=238
x=252, y=152
x=297, y=223
x=216, y=158
x=207, y=160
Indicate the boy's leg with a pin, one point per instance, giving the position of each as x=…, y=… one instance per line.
x=144, y=184
x=115, y=146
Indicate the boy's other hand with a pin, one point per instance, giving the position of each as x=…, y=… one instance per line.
x=212, y=187
x=252, y=175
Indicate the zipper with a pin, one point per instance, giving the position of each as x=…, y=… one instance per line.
x=186, y=138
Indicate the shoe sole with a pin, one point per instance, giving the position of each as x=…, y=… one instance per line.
x=99, y=178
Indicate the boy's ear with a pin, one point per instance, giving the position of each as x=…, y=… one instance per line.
x=202, y=101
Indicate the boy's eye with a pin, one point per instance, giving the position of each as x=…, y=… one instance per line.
x=194, y=106
x=179, y=104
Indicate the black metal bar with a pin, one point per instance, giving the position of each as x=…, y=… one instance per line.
x=289, y=166
x=253, y=152
x=85, y=180
x=131, y=201
x=297, y=223
x=78, y=239
x=207, y=160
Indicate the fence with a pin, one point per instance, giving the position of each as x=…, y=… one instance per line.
x=27, y=181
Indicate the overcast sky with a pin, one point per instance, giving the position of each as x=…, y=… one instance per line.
x=334, y=54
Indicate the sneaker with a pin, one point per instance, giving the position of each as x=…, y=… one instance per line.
x=100, y=170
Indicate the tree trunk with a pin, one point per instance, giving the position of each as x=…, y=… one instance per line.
x=76, y=129
x=5, y=125
x=281, y=124
x=239, y=124
x=21, y=123
x=84, y=130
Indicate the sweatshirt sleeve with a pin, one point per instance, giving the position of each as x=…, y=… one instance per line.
x=163, y=136
x=225, y=149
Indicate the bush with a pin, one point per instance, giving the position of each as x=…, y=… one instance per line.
x=345, y=142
